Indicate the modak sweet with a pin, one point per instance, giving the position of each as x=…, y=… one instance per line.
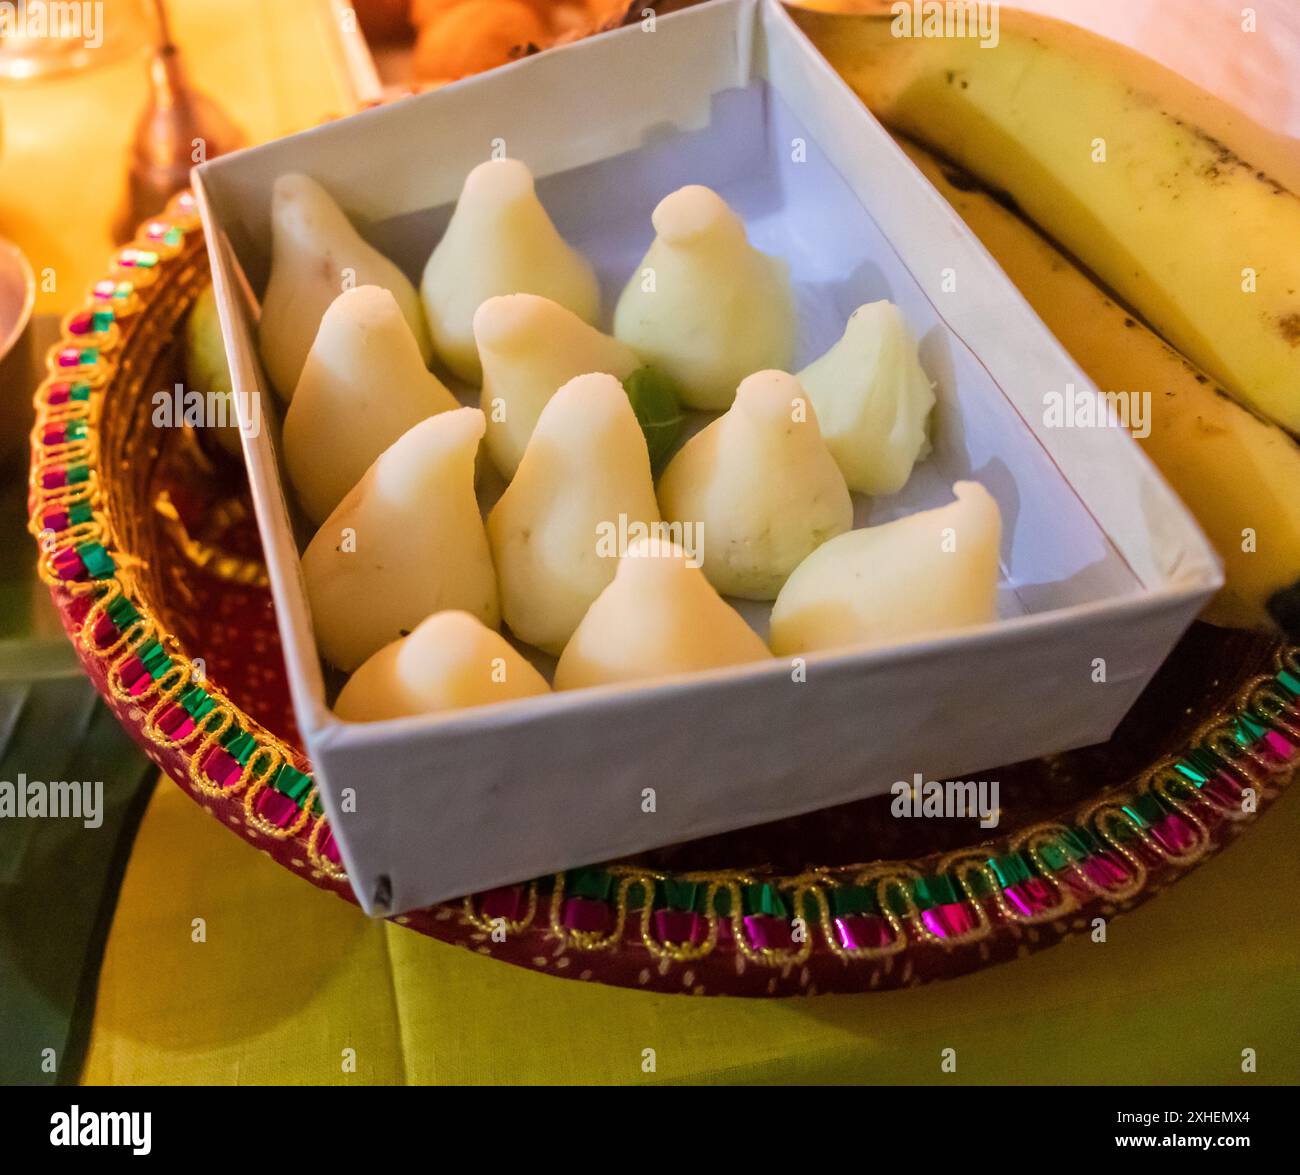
x=705, y=306
x=406, y=541
x=499, y=241
x=451, y=661
x=364, y=384
x=586, y=471
x=658, y=617
x=927, y=573
x=761, y=484
x=315, y=255
x=530, y=346
x=873, y=400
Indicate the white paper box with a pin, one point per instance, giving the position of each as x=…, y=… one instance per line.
x=1101, y=563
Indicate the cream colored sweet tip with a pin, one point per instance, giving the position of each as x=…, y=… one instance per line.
x=772, y=395
x=451, y=661
x=514, y=322
x=693, y=213
x=499, y=182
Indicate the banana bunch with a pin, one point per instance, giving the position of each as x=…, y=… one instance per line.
x=1183, y=210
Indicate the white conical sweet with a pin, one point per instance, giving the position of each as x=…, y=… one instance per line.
x=530, y=346
x=873, y=400
x=499, y=241
x=315, y=255
x=364, y=384
x=405, y=542
x=926, y=573
x=451, y=661
x=583, y=484
x=704, y=306
x=761, y=484
x=657, y=618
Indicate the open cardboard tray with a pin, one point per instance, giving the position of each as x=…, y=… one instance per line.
x=154, y=562
x=1102, y=565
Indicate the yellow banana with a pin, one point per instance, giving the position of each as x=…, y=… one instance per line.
x=1183, y=206
x=1239, y=474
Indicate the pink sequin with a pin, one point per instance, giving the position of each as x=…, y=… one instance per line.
x=68, y=564
x=768, y=933
x=859, y=932
x=678, y=926
x=1226, y=790
x=507, y=903
x=176, y=722
x=587, y=914
x=276, y=808
x=1105, y=871
x=1174, y=834
x=222, y=767
x=105, y=631
x=1279, y=746
x=950, y=920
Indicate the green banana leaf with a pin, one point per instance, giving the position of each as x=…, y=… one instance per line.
x=59, y=879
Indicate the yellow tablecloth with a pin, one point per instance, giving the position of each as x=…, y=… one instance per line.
x=290, y=977
x=286, y=979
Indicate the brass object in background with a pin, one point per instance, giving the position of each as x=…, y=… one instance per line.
x=179, y=128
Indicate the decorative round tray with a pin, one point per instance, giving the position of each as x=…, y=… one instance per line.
x=148, y=543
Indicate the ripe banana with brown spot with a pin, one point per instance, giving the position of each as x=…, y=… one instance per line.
x=1239, y=474
x=1182, y=205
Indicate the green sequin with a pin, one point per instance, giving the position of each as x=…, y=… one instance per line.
x=679, y=895
x=853, y=899
x=935, y=890
x=1010, y=870
x=240, y=745
x=291, y=782
x=589, y=883
x=98, y=562
x=764, y=899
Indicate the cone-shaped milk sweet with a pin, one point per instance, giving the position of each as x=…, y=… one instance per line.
x=530, y=347
x=583, y=487
x=761, y=484
x=315, y=255
x=704, y=306
x=500, y=241
x=449, y=662
x=926, y=573
x=363, y=385
x=873, y=400
x=406, y=541
x=658, y=617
